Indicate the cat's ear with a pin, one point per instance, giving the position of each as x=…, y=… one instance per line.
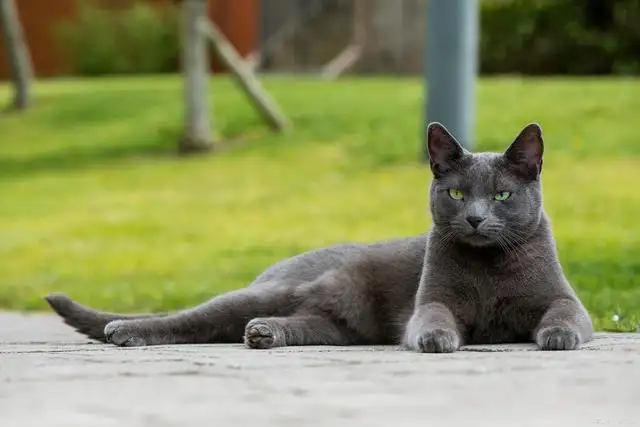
x=525, y=153
x=444, y=150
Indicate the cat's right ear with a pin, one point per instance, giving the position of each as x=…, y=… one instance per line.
x=444, y=151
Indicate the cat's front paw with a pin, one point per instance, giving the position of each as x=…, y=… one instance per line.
x=558, y=338
x=439, y=340
x=262, y=333
x=123, y=333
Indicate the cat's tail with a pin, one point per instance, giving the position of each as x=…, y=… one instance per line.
x=86, y=320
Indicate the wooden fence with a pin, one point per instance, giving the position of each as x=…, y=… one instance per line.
x=286, y=35
x=237, y=19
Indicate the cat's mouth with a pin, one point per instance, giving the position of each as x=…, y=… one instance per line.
x=477, y=238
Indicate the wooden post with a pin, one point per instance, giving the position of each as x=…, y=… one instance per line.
x=17, y=53
x=197, y=134
x=243, y=73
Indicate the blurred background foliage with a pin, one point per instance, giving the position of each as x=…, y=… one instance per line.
x=531, y=37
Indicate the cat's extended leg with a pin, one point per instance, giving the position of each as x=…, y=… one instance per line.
x=220, y=320
x=269, y=332
x=432, y=329
x=564, y=326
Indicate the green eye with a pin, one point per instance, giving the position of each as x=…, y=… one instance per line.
x=501, y=196
x=455, y=194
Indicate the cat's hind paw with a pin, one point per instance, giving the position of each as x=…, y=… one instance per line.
x=262, y=334
x=123, y=333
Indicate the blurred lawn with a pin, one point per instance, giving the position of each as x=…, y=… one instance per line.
x=94, y=203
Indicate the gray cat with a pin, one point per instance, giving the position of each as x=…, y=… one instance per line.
x=487, y=272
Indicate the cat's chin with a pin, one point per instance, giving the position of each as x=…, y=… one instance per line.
x=478, y=240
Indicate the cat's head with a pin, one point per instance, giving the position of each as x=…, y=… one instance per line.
x=486, y=199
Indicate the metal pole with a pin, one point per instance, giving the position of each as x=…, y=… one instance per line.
x=451, y=66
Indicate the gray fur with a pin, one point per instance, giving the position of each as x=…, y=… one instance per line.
x=498, y=282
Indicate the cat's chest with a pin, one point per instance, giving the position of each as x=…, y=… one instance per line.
x=488, y=283
x=504, y=309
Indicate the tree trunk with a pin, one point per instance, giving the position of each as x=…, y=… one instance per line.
x=197, y=134
x=17, y=53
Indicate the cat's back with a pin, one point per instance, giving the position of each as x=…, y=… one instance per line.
x=402, y=252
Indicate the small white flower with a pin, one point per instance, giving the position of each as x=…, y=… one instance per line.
x=615, y=318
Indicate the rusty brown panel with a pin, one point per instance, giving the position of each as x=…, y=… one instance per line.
x=242, y=25
x=39, y=19
x=238, y=21
x=216, y=14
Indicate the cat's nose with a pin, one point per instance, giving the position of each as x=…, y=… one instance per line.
x=474, y=220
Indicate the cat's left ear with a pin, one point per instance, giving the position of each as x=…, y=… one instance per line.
x=525, y=153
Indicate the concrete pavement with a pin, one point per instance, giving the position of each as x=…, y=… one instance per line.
x=51, y=376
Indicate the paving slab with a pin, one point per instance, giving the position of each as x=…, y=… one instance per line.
x=51, y=376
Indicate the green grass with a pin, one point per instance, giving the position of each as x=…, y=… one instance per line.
x=94, y=202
